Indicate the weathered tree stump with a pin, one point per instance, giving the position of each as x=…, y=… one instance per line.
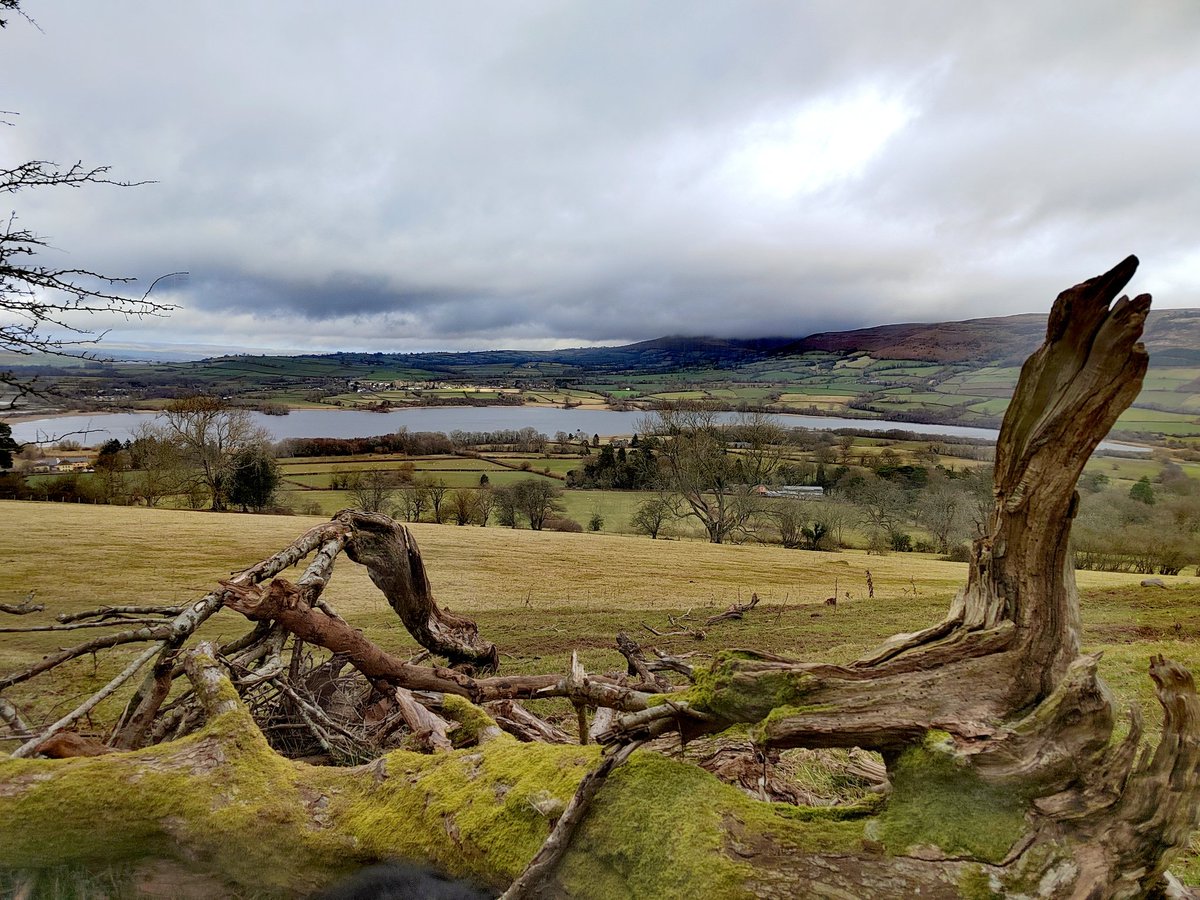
x=996, y=732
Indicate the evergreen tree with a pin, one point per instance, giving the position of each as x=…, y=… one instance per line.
x=255, y=476
x=7, y=446
x=1142, y=491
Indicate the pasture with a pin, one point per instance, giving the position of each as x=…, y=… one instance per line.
x=540, y=595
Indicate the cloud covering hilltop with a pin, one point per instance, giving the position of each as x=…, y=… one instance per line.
x=411, y=176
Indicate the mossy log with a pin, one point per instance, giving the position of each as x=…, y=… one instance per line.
x=996, y=731
x=224, y=803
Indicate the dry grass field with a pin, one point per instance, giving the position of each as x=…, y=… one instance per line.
x=539, y=595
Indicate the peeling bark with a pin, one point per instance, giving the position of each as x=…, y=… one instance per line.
x=390, y=554
x=996, y=732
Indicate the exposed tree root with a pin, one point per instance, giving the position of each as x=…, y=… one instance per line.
x=1001, y=773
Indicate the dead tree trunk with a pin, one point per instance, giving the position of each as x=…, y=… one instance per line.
x=1002, y=676
x=394, y=563
x=996, y=731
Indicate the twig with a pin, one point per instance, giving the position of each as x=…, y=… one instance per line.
x=77, y=625
x=543, y=863
x=694, y=633
x=108, y=612
x=88, y=705
x=158, y=633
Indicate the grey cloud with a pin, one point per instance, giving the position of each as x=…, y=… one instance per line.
x=533, y=172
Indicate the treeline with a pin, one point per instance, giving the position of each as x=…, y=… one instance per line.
x=415, y=443
x=407, y=443
x=1153, y=528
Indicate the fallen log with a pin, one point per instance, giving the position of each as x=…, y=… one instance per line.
x=996, y=733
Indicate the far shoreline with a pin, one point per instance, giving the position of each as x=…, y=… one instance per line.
x=877, y=426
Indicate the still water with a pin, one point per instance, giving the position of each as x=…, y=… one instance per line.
x=94, y=429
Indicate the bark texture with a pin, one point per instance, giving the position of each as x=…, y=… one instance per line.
x=390, y=554
x=1002, y=773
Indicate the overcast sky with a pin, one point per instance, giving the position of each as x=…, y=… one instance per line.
x=409, y=176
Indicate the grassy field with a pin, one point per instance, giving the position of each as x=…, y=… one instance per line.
x=540, y=595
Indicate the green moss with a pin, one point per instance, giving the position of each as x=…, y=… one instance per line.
x=976, y=884
x=128, y=806
x=472, y=721
x=935, y=801
x=474, y=813
x=660, y=828
x=781, y=713
x=738, y=693
x=936, y=740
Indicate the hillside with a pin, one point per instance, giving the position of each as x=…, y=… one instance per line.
x=942, y=372
x=1172, y=337
x=1005, y=339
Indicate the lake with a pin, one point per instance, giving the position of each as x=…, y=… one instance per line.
x=94, y=429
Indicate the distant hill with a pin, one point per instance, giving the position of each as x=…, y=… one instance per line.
x=1003, y=338
x=1172, y=336
x=665, y=354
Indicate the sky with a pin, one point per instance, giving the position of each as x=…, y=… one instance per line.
x=406, y=176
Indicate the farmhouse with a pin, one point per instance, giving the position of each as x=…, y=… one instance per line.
x=791, y=491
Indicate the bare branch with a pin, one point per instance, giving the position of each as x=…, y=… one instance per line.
x=87, y=706
x=543, y=863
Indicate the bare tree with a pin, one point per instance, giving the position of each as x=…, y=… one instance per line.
x=712, y=466
x=943, y=509
x=462, y=505
x=537, y=499
x=43, y=308
x=651, y=515
x=485, y=502
x=436, y=489
x=504, y=500
x=209, y=432
x=884, y=507
x=374, y=489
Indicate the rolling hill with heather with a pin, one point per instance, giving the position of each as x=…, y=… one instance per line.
x=937, y=372
x=1172, y=336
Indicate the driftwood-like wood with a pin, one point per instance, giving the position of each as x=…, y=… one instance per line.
x=735, y=611
x=286, y=604
x=427, y=727
x=991, y=720
x=1002, y=674
x=512, y=717
x=390, y=554
x=118, y=612
x=24, y=608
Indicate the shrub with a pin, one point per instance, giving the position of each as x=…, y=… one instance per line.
x=562, y=524
x=901, y=542
x=596, y=522
x=958, y=553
